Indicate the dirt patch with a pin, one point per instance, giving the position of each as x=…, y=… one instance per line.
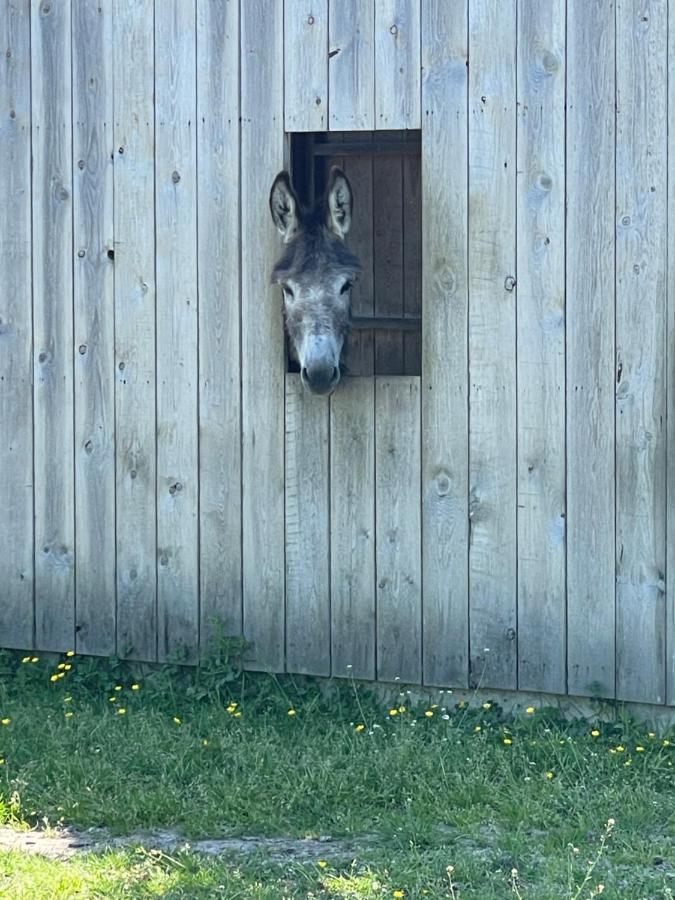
x=67, y=842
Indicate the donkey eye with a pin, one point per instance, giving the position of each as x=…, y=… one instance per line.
x=345, y=287
x=287, y=290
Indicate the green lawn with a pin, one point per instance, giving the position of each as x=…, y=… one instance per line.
x=405, y=791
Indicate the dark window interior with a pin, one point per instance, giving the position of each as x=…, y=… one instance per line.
x=384, y=169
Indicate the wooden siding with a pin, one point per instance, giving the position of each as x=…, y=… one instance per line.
x=504, y=519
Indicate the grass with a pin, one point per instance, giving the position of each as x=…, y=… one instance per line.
x=517, y=807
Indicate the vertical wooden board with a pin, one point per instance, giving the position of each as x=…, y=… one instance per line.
x=359, y=171
x=351, y=65
x=412, y=260
x=94, y=327
x=219, y=309
x=177, y=329
x=397, y=64
x=352, y=528
x=306, y=65
x=670, y=375
x=307, y=531
x=53, y=326
x=16, y=378
x=134, y=217
x=388, y=260
x=492, y=350
x=541, y=347
x=590, y=349
x=641, y=266
x=445, y=434
x=398, y=529
x=262, y=156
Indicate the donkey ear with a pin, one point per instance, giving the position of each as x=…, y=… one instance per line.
x=339, y=202
x=284, y=207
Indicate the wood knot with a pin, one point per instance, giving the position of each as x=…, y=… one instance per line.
x=550, y=62
x=442, y=484
x=82, y=349
x=310, y=20
x=393, y=30
x=89, y=448
x=175, y=177
x=177, y=486
x=509, y=283
x=81, y=254
x=510, y=634
x=80, y=164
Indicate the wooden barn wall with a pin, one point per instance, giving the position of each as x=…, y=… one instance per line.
x=504, y=519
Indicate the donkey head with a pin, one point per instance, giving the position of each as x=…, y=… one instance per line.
x=316, y=272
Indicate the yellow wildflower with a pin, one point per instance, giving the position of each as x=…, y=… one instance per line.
x=6, y=720
x=118, y=687
x=595, y=733
x=237, y=715
x=2, y=761
x=477, y=728
x=231, y=708
x=26, y=659
x=67, y=698
x=205, y=743
x=135, y=687
x=549, y=775
x=651, y=734
x=399, y=893
x=176, y=720
x=487, y=705
x=70, y=653
x=53, y=677
x=322, y=863
x=393, y=712
x=639, y=749
x=69, y=714
x=429, y=713
x=401, y=709
x=67, y=667
x=121, y=711
x=34, y=659
x=112, y=699
x=360, y=728
x=507, y=741
x=666, y=742
x=620, y=748
x=61, y=666
x=530, y=710
x=291, y=712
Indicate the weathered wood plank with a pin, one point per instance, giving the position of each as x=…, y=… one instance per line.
x=641, y=261
x=262, y=155
x=94, y=327
x=397, y=64
x=412, y=260
x=219, y=310
x=16, y=377
x=352, y=522
x=541, y=347
x=492, y=356
x=306, y=65
x=398, y=529
x=590, y=349
x=670, y=377
x=307, y=531
x=177, y=329
x=134, y=215
x=351, y=65
x=359, y=170
x=445, y=434
x=53, y=327
x=388, y=260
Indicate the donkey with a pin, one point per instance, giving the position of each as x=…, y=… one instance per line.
x=316, y=273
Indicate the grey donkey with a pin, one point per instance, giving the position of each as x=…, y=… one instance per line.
x=316, y=273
